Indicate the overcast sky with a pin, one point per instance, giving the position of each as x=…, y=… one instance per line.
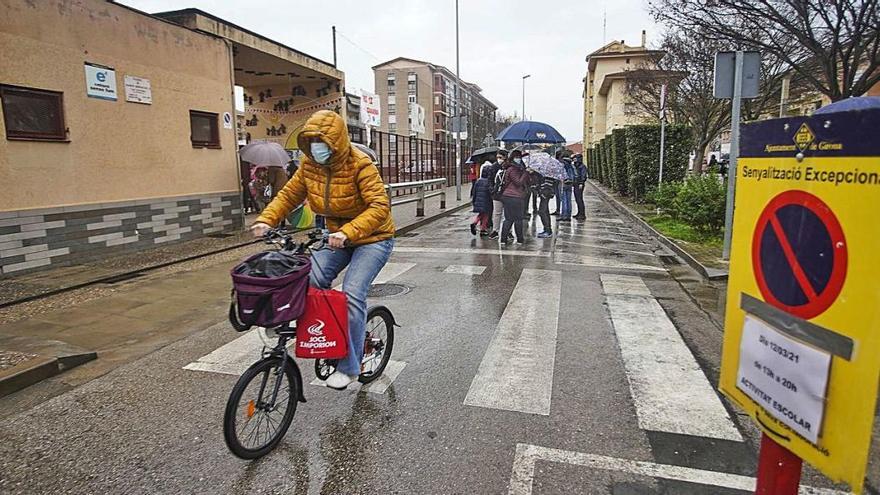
x=500, y=41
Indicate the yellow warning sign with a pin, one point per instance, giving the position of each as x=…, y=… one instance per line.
x=802, y=330
x=804, y=137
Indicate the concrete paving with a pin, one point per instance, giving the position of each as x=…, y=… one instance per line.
x=459, y=416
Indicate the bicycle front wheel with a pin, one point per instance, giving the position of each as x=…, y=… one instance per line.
x=257, y=417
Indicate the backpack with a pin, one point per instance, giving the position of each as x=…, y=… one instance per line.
x=498, y=185
x=547, y=188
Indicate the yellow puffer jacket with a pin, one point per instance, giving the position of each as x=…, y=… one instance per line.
x=349, y=192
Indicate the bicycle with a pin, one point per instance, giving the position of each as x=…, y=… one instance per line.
x=273, y=406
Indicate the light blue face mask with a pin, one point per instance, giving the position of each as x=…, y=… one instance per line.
x=321, y=152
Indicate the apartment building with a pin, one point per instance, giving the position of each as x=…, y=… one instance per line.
x=606, y=103
x=402, y=81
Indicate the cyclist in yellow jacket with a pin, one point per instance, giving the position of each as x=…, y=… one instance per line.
x=342, y=184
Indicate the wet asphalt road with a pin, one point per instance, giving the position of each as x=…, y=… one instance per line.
x=151, y=426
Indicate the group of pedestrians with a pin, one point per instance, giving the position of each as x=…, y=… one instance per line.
x=501, y=195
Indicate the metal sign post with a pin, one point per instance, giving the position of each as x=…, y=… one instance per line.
x=737, y=76
x=457, y=113
x=736, y=101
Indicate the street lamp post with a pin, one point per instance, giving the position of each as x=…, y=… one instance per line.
x=457, y=109
x=524, y=96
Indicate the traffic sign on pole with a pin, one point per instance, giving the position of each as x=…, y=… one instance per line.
x=801, y=348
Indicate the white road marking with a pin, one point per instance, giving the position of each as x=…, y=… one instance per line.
x=523, y=475
x=623, y=285
x=390, y=271
x=516, y=373
x=563, y=258
x=601, y=220
x=465, y=269
x=391, y=372
x=669, y=390
x=232, y=358
x=452, y=250
x=608, y=248
x=608, y=239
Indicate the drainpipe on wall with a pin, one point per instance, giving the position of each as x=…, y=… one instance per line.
x=235, y=129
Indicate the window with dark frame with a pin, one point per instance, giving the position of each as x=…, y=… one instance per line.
x=33, y=114
x=204, y=132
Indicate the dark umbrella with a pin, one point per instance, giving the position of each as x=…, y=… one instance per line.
x=527, y=131
x=850, y=104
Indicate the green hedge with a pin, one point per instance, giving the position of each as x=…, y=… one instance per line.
x=609, y=163
x=643, y=156
x=606, y=161
x=590, y=162
x=600, y=161
x=619, y=180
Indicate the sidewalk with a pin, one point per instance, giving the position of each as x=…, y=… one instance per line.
x=122, y=321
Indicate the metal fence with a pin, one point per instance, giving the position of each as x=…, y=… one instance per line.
x=411, y=159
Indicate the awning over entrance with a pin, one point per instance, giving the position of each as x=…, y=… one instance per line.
x=282, y=86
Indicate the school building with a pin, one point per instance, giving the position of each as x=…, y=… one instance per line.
x=119, y=129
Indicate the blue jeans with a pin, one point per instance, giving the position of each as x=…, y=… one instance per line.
x=565, y=203
x=364, y=263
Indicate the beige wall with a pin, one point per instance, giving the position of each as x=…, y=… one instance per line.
x=117, y=150
x=608, y=111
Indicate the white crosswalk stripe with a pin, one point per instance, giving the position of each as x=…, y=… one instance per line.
x=670, y=391
x=565, y=258
x=516, y=373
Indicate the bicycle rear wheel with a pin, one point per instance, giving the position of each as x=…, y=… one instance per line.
x=254, y=423
x=378, y=344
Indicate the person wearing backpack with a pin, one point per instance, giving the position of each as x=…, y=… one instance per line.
x=514, y=188
x=341, y=183
x=496, y=177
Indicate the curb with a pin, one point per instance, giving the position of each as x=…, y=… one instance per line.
x=706, y=272
x=39, y=368
x=27, y=373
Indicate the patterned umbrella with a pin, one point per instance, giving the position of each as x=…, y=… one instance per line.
x=264, y=153
x=545, y=165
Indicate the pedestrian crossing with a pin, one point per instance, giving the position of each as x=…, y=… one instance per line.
x=512, y=368
x=668, y=388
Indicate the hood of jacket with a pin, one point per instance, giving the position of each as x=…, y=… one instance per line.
x=329, y=127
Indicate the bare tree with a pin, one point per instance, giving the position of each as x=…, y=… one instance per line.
x=833, y=45
x=687, y=68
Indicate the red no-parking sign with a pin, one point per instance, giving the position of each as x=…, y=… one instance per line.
x=799, y=254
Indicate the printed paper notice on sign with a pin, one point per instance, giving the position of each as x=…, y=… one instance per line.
x=786, y=377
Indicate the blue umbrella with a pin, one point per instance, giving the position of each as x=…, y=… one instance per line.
x=527, y=131
x=850, y=104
